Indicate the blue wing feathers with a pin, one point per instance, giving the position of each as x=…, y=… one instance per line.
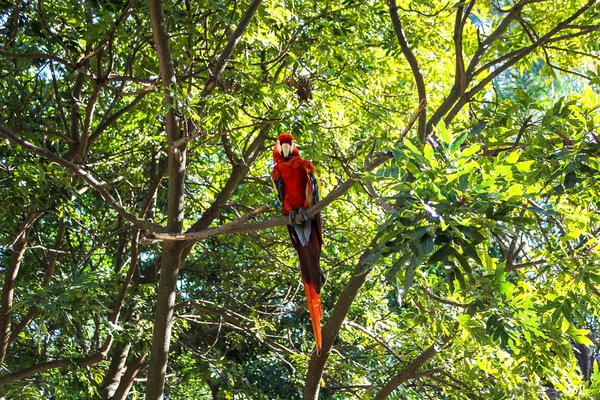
x=314, y=183
x=279, y=187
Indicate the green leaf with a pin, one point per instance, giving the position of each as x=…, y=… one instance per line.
x=524, y=166
x=471, y=233
x=513, y=157
x=419, y=232
x=393, y=272
x=570, y=180
x=411, y=147
x=461, y=280
x=539, y=210
x=426, y=244
x=428, y=152
x=584, y=340
x=469, y=151
x=444, y=134
x=515, y=191
x=470, y=250
x=478, y=128
x=440, y=255
x=458, y=142
x=411, y=271
x=464, y=263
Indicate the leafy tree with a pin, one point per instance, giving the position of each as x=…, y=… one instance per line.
x=143, y=253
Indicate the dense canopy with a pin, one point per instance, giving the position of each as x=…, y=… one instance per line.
x=142, y=247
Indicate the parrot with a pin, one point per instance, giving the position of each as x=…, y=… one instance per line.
x=297, y=185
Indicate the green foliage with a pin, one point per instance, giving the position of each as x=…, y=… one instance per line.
x=491, y=252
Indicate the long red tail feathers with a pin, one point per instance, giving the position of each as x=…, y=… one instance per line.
x=316, y=313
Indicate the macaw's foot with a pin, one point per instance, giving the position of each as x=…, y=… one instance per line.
x=302, y=211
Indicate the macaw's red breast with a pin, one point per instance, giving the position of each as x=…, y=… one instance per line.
x=294, y=176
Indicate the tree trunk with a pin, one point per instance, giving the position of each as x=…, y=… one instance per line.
x=171, y=253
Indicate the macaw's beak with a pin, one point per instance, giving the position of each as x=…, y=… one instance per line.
x=286, y=150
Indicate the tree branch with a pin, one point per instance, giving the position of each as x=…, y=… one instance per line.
x=129, y=377
x=518, y=57
x=10, y=276
x=455, y=93
x=112, y=378
x=414, y=66
x=221, y=230
x=439, y=299
x=375, y=338
x=331, y=329
x=211, y=82
x=61, y=363
x=89, y=179
x=407, y=373
x=171, y=256
x=37, y=56
x=52, y=258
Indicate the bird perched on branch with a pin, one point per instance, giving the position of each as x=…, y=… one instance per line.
x=297, y=186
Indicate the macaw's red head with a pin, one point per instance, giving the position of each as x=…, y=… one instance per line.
x=285, y=147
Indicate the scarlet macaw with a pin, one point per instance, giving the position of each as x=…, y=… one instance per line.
x=297, y=186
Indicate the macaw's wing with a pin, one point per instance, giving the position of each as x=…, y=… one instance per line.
x=277, y=183
x=313, y=195
x=313, y=186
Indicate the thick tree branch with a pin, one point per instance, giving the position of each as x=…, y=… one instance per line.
x=172, y=254
x=211, y=82
x=87, y=123
x=128, y=377
x=518, y=57
x=456, y=93
x=52, y=258
x=414, y=66
x=61, y=363
x=408, y=372
x=10, y=276
x=89, y=179
x=75, y=115
x=112, y=378
x=221, y=230
x=330, y=330
x=460, y=78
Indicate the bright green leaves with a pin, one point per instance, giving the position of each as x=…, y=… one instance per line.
x=448, y=207
x=481, y=221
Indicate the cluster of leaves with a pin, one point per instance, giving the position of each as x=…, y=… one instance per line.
x=491, y=254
